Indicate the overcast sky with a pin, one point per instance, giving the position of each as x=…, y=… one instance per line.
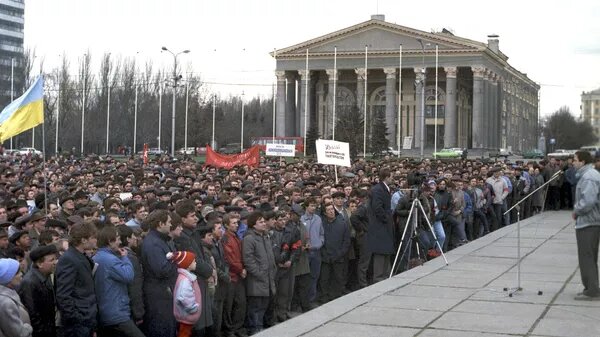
x=557, y=43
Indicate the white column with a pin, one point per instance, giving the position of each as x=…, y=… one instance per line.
x=390, y=103
x=280, y=114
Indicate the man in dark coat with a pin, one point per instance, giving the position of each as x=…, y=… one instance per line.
x=159, y=276
x=75, y=293
x=37, y=293
x=380, y=236
x=191, y=241
x=129, y=241
x=333, y=254
x=224, y=280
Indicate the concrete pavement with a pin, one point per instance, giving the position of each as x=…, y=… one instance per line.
x=467, y=297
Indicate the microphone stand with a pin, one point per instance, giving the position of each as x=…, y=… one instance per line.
x=519, y=258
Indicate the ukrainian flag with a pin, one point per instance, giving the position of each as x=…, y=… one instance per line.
x=24, y=113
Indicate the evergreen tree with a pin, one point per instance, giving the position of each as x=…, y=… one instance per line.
x=568, y=132
x=349, y=129
x=311, y=137
x=379, y=141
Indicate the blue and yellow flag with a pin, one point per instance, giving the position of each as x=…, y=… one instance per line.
x=24, y=113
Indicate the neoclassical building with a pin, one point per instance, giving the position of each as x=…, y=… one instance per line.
x=482, y=101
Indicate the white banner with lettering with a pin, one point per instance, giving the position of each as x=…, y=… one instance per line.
x=331, y=152
x=281, y=150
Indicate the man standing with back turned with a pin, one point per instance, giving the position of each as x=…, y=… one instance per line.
x=586, y=213
x=380, y=236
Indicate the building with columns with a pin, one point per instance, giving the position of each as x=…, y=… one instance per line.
x=590, y=109
x=482, y=101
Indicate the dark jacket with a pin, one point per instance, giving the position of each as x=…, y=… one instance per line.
x=260, y=264
x=37, y=295
x=75, y=293
x=191, y=241
x=160, y=275
x=222, y=271
x=360, y=219
x=380, y=237
x=337, y=240
x=444, y=204
x=135, y=291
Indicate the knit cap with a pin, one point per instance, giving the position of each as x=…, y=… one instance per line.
x=183, y=259
x=8, y=270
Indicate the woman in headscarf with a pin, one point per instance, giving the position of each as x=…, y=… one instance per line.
x=15, y=319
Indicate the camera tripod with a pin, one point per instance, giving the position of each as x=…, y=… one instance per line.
x=414, y=215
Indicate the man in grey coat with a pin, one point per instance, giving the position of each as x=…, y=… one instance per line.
x=586, y=213
x=260, y=265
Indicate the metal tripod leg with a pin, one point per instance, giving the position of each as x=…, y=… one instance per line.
x=410, y=213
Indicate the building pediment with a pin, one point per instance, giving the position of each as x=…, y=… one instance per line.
x=381, y=37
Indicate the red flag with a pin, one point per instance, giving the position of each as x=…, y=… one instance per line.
x=250, y=157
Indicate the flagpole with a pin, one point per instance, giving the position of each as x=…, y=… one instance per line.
x=274, y=97
x=57, y=119
x=242, y=128
x=334, y=88
x=83, y=104
x=107, y=117
x=306, y=101
x=135, y=108
x=160, y=86
x=44, y=163
x=12, y=88
x=399, y=137
x=185, y=138
x=214, y=108
x=436, y=103
x=365, y=106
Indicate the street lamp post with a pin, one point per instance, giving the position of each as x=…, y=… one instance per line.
x=242, y=131
x=175, y=79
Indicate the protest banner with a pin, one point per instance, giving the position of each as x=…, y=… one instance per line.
x=281, y=150
x=250, y=157
x=332, y=152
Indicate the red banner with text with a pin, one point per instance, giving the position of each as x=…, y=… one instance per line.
x=250, y=157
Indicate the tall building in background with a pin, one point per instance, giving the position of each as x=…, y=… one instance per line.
x=12, y=23
x=590, y=109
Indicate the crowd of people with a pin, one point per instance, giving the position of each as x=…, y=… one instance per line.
x=100, y=246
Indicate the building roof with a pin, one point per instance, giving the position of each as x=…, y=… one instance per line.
x=385, y=38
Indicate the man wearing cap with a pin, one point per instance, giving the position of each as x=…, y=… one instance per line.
x=316, y=234
x=37, y=291
x=38, y=224
x=21, y=240
x=68, y=207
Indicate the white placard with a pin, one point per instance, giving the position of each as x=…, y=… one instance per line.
x=407, y=144
x=330, y=152
x=281, y=150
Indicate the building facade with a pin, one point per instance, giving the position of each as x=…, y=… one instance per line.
x=12, y=23
x=482, y=101
x=590, y=109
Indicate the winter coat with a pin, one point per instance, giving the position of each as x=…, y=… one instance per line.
x=260, y=264
x=232, y=247
x=113, y=275
x=187, y=298
x=337, y=240
x=538, y=197
x=302, y=265
x=380, y=237
x=160, y=275
x=37, y=295
x=587, y=197
x=191, y=241
x=15, y=319
x=443, y=198
x=75, y=293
